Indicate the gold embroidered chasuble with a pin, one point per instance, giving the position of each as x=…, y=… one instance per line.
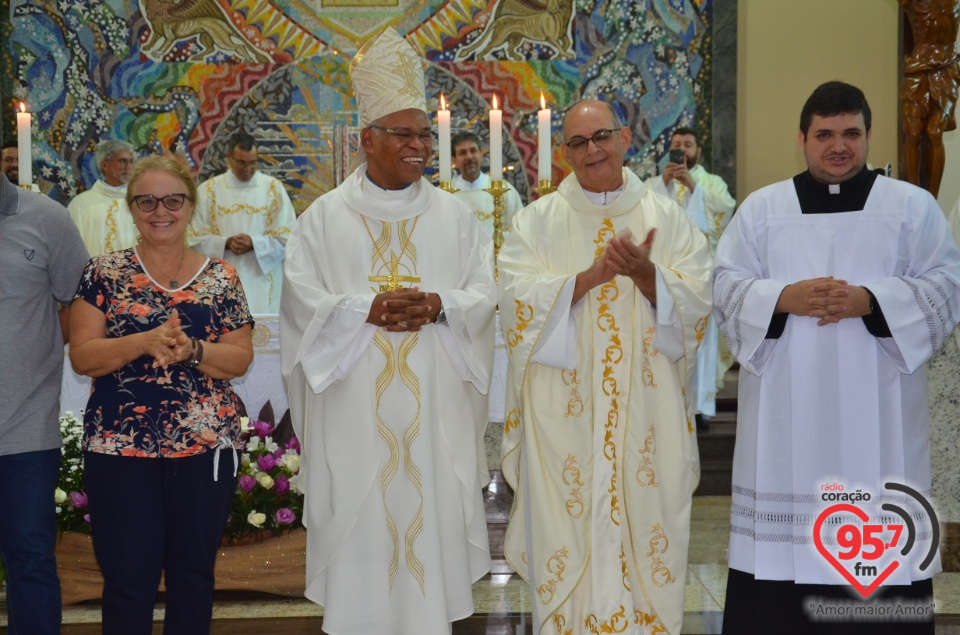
x=602, y=456
x=391, y=423
x=259, y=208
x=104, y=221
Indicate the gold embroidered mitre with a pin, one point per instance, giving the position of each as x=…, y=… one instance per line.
x=387, y=76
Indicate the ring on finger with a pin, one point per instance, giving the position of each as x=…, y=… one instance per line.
x=402, y=324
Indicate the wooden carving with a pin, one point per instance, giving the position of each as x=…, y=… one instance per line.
x=928, y=95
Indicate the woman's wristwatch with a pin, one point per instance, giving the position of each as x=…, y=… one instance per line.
x=441, y=316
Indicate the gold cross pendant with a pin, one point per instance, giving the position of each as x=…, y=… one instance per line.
x=392, y=281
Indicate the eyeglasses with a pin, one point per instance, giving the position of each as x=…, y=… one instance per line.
x=599, y=137
x=407, y=134
x=147, y=203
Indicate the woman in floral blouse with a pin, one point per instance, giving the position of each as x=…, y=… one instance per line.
x=162, y=330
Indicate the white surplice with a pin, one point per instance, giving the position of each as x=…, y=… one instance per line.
x=710, y=207
x=481, y=202
x=391, y=424
x=599, y=445
x=104, y=221
x=260, y=208
x=832, y=404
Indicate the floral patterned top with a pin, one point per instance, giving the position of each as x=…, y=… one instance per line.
x=138, y=410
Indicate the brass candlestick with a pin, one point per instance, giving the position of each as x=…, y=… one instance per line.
x=497, y=189
x=447, y=186
x=546, y=187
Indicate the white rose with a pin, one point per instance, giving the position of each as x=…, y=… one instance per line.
x=256, y=519
x=59, y=496
x=291, y=462
x=265, y=480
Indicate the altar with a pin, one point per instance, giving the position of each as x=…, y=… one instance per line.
x=263, y=383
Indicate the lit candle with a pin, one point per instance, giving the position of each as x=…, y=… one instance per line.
x=24, y=150
x=496, y=142
x=443, y=121
x=545, y=148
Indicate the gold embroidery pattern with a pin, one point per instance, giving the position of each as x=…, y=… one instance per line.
x=648, y=352
x=271, y=211
x=260, y=335
x=561, y=623
x=659, y=544
x=380, y=244
x=701, y=328
x=390, y=469
x=481, y=215
x=111, y=223
x=411, y=248
x=617, y=623
x=524, y=317
x=575, y=405
x=645, y=619
x=645, y=473
x=523, y=558
x=623, y=569
x=555, y=567
x=606, y=233
x=571, y=477
x=613, y=355
x=512, y=420
x=410, y=380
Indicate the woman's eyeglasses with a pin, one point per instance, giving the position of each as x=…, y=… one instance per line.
x=147, y=203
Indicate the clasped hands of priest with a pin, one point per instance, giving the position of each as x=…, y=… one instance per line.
x=621, y=257
x=404, y=310
x=825, y=298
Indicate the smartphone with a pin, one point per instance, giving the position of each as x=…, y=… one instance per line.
x=676, y=155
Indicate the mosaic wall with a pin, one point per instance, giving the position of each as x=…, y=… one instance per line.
x=181, y=75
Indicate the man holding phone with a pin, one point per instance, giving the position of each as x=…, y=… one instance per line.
x=708, y=203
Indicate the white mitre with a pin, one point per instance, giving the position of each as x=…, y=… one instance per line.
x=387, y=76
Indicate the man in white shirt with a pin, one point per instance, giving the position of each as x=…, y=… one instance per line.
x=244, y=217
x=472, y=181
x=101, y=213
x=833, y=288
x=707, y=201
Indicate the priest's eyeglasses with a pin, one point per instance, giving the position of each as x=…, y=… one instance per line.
x=599, y=137
x=407, y=134
x=147, y=203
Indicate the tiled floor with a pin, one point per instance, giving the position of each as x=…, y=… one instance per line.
x=502, y=600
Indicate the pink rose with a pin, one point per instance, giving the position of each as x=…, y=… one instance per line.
x=267, y=462
x=78, y=499
x=294, y=444
x=247, y=484
x=282, y=484
x=285, y=516
x=263, y=429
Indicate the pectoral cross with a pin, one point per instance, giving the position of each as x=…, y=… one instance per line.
x=392, y=281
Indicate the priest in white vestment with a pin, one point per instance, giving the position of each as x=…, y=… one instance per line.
x=833, y=289
x=387, y=348
x=101, y=213
x=707, y=201
x=472, y=183
x=244, y=216
x=599, y=443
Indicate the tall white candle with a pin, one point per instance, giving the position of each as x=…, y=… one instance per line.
x=496, y=142
x=24, y=148
x=443, y=122
x=545, y=147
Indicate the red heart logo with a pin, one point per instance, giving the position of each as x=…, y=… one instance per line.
x=862, y=515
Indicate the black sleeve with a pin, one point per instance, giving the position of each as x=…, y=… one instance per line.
x=777, y=323
x=875, y=322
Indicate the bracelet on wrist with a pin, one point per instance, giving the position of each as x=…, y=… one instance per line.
x=197, y=357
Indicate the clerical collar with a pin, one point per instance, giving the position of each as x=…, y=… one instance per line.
x=823, y=198
x=233, y=181
x=383, y=189
x=602, y=199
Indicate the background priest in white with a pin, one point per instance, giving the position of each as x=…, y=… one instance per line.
x=833, y=289
x=388, y=387
x=244, y=217
x=472, y=183
x=599, y=443
x=101, y=213
x=707, y=201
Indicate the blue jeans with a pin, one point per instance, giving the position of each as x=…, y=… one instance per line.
x=28, y=535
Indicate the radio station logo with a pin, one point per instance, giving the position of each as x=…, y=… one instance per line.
x=866, y=555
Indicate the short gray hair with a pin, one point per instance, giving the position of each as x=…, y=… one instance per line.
x=106, y=149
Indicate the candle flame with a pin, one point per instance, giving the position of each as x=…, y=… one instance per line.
x=543, y=102
x=443, y=103
x=495, y=102
x=23, y=107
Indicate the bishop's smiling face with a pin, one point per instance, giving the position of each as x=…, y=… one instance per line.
x=394, y=162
